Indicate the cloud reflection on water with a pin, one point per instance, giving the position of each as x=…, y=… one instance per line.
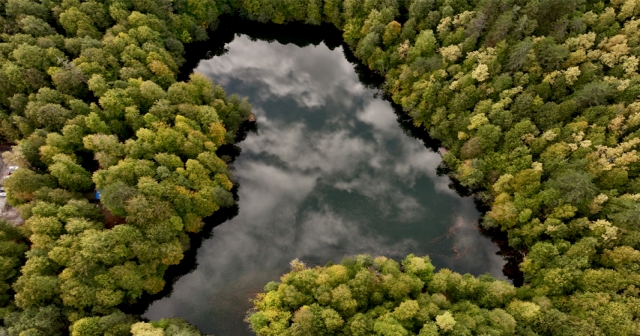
x=311, y=78
x=329, y=174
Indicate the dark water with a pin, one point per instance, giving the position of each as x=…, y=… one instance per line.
x=330, y=173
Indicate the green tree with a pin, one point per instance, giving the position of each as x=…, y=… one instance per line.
x=69, y=174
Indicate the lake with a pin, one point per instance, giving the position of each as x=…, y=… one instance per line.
x=329, y=173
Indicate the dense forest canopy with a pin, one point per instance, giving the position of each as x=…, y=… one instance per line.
x=88, y=93
x=536, y=101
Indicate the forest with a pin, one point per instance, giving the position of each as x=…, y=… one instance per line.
x=536, y=102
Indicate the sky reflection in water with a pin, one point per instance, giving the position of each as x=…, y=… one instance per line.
x=329, y=174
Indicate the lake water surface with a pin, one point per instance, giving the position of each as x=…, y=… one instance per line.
x=330, y=173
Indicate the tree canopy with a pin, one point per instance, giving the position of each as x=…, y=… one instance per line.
x=536, y=101
x=89, y=94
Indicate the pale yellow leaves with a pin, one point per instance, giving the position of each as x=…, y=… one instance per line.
x=627, y=9
x=445, y=321
x=617, y=124
x=528, y=138
x=526, y=311
x=159, y=68
x=577, y=57
x=507, y=94
x=407, y=310
x=615, y=48
x=630, y=65
x=577, y=137
x=631, y=27
x=585, y=143
x=633, y=197
x=571, y=75
x=620, y=84
x=605, y=229
x=590, y=18
x=537, y=166
x=502, y=184
x=573, y=147
x=451, y=53
x=579, y=141
x=403, y=49
x=634, y=118
x=611, y=51
x=297, y=265
x=484, y=56
x=504, y=211
x=549, y=135
x=480, y=73
x=463, y=18
x=598, y=201
x=619, y=156
x=584, y=41
x=551, y=77
x=146, y=329
x=477, y=121
x=444, y=25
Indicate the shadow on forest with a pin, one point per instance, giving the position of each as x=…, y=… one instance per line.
x=301, y=35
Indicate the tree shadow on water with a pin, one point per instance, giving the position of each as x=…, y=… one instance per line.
x=229, y=27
